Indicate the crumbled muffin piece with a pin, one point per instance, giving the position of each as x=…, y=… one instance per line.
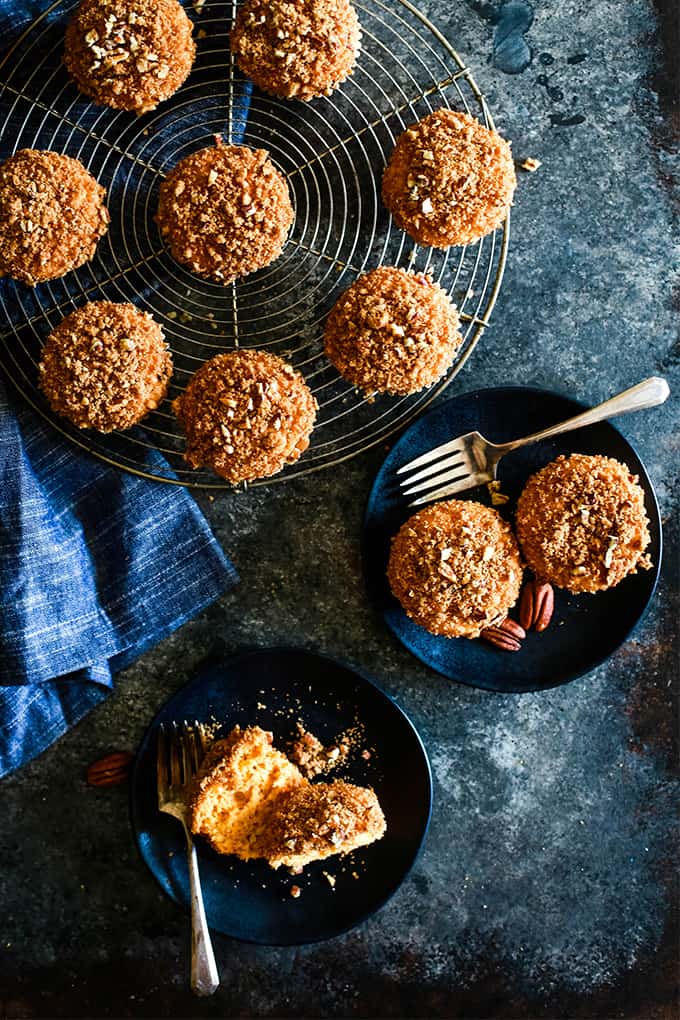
x=582, y=523
x=105, y=366
x=392, y=332
x=296, y=50
x=455, y=568
x=249, y=800
x=246, y=414
x=129, y=54
x=449, y=180
x=313, y=821
x=52, y=215
x=225, y=211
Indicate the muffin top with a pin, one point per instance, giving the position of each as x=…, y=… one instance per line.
x=225, y=211
x=392, y=332
x=296, y=50
x=52, y=215
x=455, y=568
x=246, y=414
x=582, y=524
x=105, y=366
x=129, y=54
x=449, y=180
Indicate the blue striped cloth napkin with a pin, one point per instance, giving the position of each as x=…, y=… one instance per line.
x=96, y=566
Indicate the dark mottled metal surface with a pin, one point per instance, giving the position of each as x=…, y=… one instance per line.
x=547, y=886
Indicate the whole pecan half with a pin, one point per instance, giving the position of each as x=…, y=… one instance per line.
x=536, y=605
x=506, y=635
x=111, y=770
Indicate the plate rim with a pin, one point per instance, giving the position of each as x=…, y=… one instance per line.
x=234, y=659
x=514, y=689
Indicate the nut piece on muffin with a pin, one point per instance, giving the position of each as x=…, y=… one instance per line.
x=249, y=800
x=52, y=215
x=246, y=414
x=296, y=50
x=392, y=332
x=582, y=524
x=129, y=54
x=449, y=180
x=455, y=568
x=105, y=366
x=225, y=211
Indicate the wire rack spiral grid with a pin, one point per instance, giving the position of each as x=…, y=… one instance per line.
x=332, y=152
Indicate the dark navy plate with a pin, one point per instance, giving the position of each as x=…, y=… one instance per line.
x=585, y=629
x=274, y=688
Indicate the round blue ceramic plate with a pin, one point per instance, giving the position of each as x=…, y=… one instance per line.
x=274, y=688
x=585, y=629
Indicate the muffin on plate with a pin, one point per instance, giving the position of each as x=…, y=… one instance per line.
x=246, y=414
x=455, y=568
x=296, y=50
x=129, y=54
x=250, y=800
x=449, y=180
x=52, y=215
x=392, y=332
x=582, y=523
x=105, y=366
x=225, y=211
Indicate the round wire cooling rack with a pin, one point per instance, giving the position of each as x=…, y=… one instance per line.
x=332, y=152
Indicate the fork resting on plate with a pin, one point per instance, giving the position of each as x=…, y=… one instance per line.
x=472, y=460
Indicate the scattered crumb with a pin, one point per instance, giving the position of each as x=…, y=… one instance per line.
x=531, y=164
x=498, y=498
x=295, y=891
x=329, y=878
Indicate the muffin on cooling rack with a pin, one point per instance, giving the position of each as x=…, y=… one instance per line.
x=246, y=414
x=582, y=524
x=129, y=54
x=296, y=50
x=392, y=332
x=225, y=211
x=52, y=215
x=105, y=366
x=455, y=568
x=449, y=180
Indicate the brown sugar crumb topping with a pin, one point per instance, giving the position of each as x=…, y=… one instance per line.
x=246, y=414
x=51, y=215
x=315, y=759
x=455, y=568
x=225, y=211
x=392, y=331
x=296, y=50
x=582, y=523
x=449, y=180
x=129, y=54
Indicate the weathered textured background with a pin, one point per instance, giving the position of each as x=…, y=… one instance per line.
x=546, y=885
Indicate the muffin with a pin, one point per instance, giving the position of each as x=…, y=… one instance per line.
x=250, y=800
x=582, y=524
x=296, y=50
x=129, y=54
x=449, y=180
x=455, y=568
x=392, y=332
x=105, y=366
x=225, y=211
x=52, y=215
x=246, y=414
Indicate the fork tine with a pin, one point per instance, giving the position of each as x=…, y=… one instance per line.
x=431, y=474
x=454, y=446
x=175, y=759
x=162, y=763
x=468, y=482
x=185, y=741
x=458, y=473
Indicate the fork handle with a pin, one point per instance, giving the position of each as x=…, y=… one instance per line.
x=650, y=393
x=204, y=976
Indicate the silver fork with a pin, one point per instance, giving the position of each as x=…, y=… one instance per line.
x=178, y=757
x=472, y=460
